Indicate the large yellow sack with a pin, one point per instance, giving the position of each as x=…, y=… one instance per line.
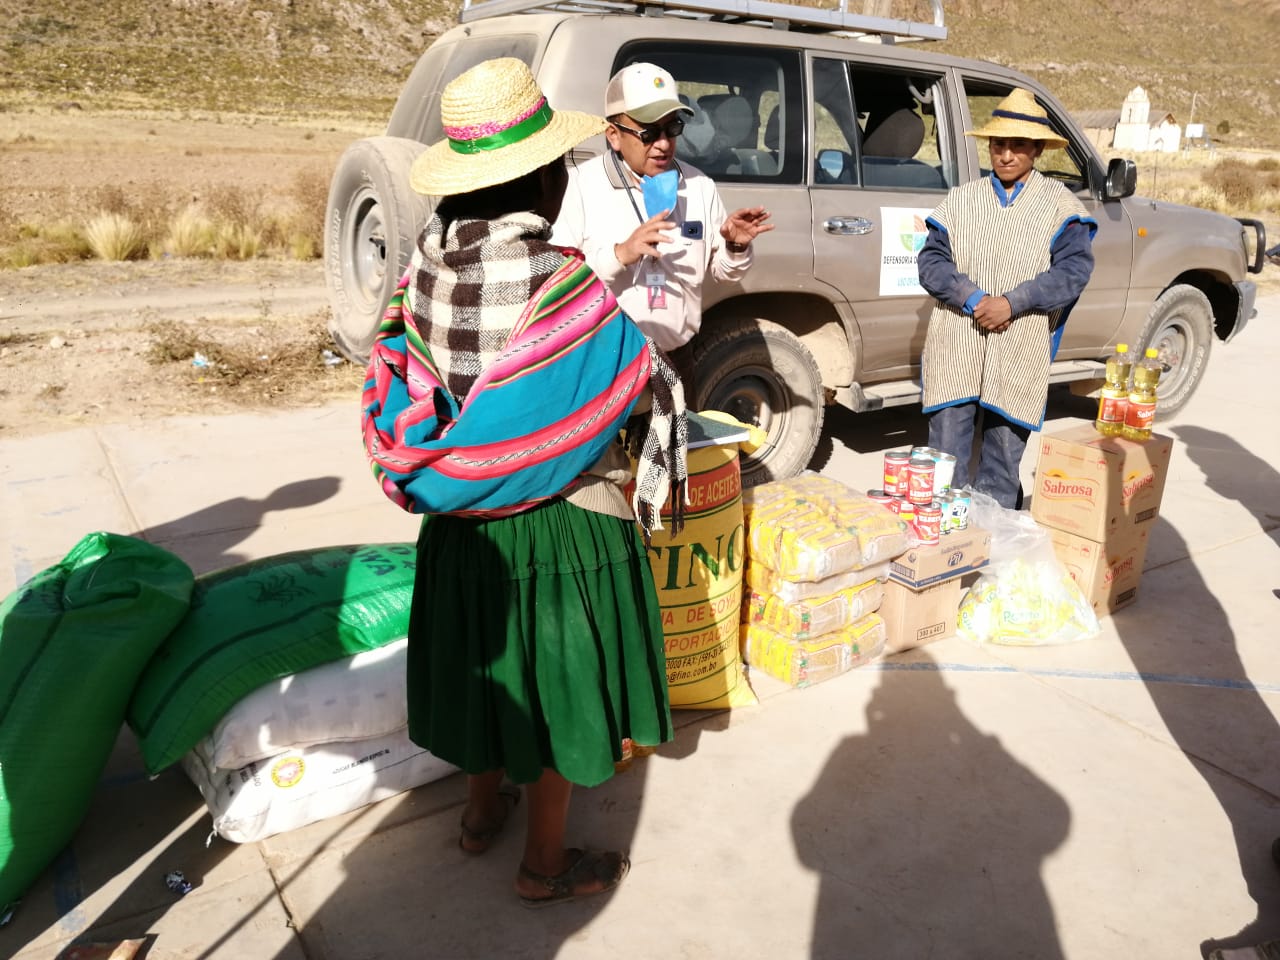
x=811, y=527
x=802, y=663
x=698, y=575
x=813, y=616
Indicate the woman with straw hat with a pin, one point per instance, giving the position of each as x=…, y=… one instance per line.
x=501, y=386
x=1005, y=259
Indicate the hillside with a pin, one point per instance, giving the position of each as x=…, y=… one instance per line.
x=349, y=57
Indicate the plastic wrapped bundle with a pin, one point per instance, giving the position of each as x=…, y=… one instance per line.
x=802, y=663
x=812, y=617
x=1027, y=604
x=761, y=579
x=811, y=527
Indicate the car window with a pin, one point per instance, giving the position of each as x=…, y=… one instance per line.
x=1063, y=164
x=878, y=128
x=746, y=122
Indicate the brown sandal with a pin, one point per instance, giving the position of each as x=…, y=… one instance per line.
x=606, y=868
x=483, y=838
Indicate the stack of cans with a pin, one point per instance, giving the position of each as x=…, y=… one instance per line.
x=917, y=487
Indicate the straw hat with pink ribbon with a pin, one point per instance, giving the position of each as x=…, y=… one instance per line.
x=498, y=126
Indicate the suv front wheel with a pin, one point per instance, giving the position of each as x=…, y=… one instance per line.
x=760, y=373
x=371, y=225
x=1180, y=328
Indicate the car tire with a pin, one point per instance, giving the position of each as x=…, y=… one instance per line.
x=759, y=372
x=371, y=224
x=1180, y=328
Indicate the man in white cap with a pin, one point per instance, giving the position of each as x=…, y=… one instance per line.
x=654, y=264
x=1006, y=257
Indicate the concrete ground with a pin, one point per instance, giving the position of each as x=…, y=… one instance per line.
x=1111, y=798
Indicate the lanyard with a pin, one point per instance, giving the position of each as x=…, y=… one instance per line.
x=626, y=184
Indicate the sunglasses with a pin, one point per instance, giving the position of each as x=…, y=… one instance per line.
x=670, y=130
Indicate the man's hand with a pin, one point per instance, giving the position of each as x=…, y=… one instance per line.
x=644, y=241
x=993, y=314
x=743, y=226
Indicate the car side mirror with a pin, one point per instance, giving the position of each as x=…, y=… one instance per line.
x=1122, y=179
x=831, y=163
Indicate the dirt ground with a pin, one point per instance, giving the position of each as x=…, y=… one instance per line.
x=95, y=343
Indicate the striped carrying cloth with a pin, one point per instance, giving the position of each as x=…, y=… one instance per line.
x=542, y=411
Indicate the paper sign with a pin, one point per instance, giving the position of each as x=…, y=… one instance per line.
x=902, y=235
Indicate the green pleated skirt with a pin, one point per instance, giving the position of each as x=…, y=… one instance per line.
x=535, y=641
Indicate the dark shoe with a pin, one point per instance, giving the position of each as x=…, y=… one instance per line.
x=482, y=839
x=587, y=867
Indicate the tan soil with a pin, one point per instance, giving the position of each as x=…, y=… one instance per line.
x=76, y=339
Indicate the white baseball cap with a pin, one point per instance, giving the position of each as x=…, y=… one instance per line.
x=643, y=91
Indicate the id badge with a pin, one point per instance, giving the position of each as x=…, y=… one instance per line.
x=656, y=283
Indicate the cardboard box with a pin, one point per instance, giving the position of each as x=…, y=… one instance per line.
x=1093, y=486
x=954, y=555
x=1107, y=573
x=916, y=617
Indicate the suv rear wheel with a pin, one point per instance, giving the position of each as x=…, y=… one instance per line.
x=1180, y=328
x=759, y=372
x=371, y=224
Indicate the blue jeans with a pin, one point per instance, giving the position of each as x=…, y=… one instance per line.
x=1000, y=461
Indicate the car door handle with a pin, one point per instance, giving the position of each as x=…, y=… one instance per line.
x=848, y=226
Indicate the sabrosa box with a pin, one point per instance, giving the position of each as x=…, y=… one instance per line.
x=916, y=617
x=953, y=555
x=1107, y=573
x=1092, y=485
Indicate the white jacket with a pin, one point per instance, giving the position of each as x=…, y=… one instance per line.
x=598, y=213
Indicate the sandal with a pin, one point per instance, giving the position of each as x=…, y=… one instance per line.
x=483, y=838
x=586, y=866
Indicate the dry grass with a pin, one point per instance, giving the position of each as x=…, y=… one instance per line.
x=156, y=221
x=259, y=363
x=114, y=236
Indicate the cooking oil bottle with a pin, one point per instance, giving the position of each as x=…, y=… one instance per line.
x=1141, y=411
x=1115, y=393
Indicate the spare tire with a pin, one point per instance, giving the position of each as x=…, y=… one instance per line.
x=371, y=225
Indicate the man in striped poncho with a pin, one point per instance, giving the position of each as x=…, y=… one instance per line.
x=1005, y=259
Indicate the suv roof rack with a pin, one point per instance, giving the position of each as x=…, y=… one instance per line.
x=754, y=12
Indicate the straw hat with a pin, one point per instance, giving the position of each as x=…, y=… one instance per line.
x=1018, y=115
x=498, y=126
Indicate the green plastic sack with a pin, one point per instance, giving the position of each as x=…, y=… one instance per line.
x=263, y=620
x=73, y=641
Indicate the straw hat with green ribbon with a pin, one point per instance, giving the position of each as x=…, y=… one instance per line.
x=1018, y=115
x=498, y=126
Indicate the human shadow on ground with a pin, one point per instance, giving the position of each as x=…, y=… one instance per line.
x=205, y=538
x=927, y=835
x=1224, y=726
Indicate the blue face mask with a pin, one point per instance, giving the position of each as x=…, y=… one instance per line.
x=660, y=192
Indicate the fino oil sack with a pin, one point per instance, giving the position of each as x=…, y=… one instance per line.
x=259, y=621
x=698, y=575
x=73, y=641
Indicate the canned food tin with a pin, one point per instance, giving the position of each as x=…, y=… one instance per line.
x=879, y=496
x=943, y=473
x=895, y=472
x=960, y=510
x=906, y=510
x=920, y=473
x=923, y=452
x=945, y=499
x=929, y=522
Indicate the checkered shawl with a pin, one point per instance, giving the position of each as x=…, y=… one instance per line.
x=547, y=366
